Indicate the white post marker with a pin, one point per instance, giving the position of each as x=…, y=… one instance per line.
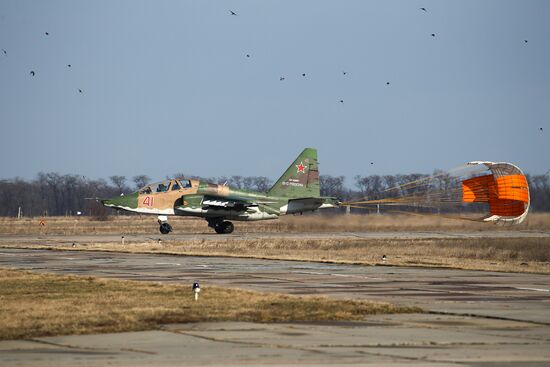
x=196, y=290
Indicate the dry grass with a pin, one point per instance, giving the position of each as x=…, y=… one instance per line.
x=286, y=224
x=530, y=255
x=34, y=305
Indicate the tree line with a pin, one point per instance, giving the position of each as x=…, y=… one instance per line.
x=54, y=194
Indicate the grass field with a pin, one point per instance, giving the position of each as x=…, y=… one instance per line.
x=34, y=305
x=289, y=224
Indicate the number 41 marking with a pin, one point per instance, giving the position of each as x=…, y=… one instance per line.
x=148, y=201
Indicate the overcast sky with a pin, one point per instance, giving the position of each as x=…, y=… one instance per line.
x=167, y=86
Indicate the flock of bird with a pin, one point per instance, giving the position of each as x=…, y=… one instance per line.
x=32, y=73
x=283, y=78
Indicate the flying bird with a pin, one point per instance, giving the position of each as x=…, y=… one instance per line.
x=80, y=91
x=423, y=9
x=303, y=74
x=371, y=163
x=232, y=12
x=5, y=52
x=540, y=129
x=344, y=72
x=32, y=72
x=341, y=101
x=247, y=55
x=387, y=83
x=68, y=65
x=46, y=33
x=281, y=78
x=433, y=34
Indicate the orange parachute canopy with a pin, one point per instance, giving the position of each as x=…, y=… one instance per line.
x=505, y=190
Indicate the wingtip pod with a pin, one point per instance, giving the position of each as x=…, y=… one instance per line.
x=505, y=189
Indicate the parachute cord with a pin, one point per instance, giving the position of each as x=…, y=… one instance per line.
x=436, y=215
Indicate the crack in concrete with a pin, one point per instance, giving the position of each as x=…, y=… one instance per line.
x=466, y=314
x=69, y=346
x=241, y=342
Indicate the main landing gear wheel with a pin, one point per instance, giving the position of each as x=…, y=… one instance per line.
x=165, y=228
x=224, y=227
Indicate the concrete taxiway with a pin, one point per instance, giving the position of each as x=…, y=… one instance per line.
x=476, y=317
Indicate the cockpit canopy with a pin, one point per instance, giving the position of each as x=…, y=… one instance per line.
x=165, y=186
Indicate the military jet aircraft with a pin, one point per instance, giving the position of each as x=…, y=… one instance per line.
x=296, y=191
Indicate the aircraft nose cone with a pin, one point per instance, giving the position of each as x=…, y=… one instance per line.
x=106, y=202
x=109, y=202
x=124, y=201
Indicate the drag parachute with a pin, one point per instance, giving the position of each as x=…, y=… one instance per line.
x=497, y=191
x=505, y=189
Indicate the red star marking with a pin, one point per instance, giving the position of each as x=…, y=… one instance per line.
x=301, y=168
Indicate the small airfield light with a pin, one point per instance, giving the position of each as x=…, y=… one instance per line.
x=196, y=290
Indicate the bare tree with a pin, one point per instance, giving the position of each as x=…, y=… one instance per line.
x=141, y=180
x=261, y=183
x=248, y=183
x=332, y=186
x=119, y=182
x=539, y=189
x=236, y=181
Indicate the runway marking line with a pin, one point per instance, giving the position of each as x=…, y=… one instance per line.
x=519, y=288
x=532, y=289
x=337, y=275
x=354, y=276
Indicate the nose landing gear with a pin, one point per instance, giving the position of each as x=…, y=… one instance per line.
x=165, y=227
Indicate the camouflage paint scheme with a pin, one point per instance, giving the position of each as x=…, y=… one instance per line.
x=296, y=191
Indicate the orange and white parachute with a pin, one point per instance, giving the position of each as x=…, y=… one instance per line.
x=479, y=190
x=504, y=189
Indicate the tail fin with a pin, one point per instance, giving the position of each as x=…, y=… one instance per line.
x=301, y=179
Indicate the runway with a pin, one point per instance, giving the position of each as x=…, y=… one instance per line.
x=475, y=317
x=56, y=239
